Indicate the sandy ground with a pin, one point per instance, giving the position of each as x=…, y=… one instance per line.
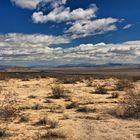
x=35, y=103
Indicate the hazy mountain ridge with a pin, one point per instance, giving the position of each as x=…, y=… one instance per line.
x=8, y=68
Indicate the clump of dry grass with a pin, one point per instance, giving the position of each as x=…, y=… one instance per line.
x=42, y=121
x=47, y=121
x=114, y=95
x=51, y=135
x=72, y=105
x=58, y=92
x=24, y=118
x=101, y=90
x=85, y=109
x=32, y=97
x=53, y=123
x=36, y=107
x=129, y=107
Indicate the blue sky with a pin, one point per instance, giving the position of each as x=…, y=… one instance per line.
x=59, y=32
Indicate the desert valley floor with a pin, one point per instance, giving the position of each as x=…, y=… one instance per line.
x=56, y=109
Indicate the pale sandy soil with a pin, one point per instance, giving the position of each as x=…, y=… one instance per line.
x=94, y=125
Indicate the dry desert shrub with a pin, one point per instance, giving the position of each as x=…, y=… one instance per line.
x=59, y=92
x=8, y=111
x=47, y=121
x=72, y=105
x=114, y=95
x=124, y=84
x=129, y=106
x=85, y=109
x=53, y=135
x=32, y=97
x=24, y=118
x=3, y=133
x=42, y=121
x=101, y=90
x=69, y=79
x=53, y=123
x=8, y=106
x=36, y=107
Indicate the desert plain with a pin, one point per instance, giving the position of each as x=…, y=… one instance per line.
x=71, y=107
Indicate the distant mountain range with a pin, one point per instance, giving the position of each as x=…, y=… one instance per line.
x=108, y=65
x=82, y=65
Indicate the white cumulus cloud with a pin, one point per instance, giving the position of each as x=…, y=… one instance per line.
x=35, y=49
x=60, y=14
x=32, y=4
x=80, y=22
x=86, y=27
x=28, y=4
